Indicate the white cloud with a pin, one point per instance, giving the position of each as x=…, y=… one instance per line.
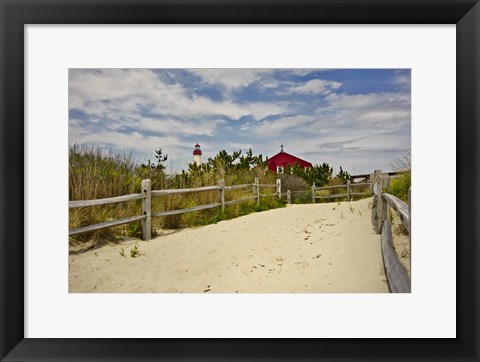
x=122, y=94
x=201, y=106
x=230, y=78
x=315, y=86
x=401, y=79
x=185, y=128
x=107, y=84
x=375, y=112
x=134, y=141
x=301, y=72
x=281, y=125
x=357, y=101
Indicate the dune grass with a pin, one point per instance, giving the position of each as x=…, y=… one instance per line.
x=96, y=173
x=399, y=186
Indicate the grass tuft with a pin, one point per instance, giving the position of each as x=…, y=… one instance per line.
x=96, y=173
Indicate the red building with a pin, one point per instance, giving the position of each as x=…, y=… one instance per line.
x=283, y=159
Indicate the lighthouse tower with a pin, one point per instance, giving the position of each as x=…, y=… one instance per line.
x=197, y=155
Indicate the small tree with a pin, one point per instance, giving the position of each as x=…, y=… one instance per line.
x=295, y=169
x=160, y=160
x=320, y=174
x=343, y=176
x=155, y=171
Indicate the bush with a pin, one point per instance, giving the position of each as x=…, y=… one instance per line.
x=293, y=183
x=302, y=197
x=271, y=202
x=399, y=186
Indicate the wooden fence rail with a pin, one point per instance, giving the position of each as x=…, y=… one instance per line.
x=106, y=224
x=398, y=279
x=349, y=186
x=146, y=197
x=348, y=194
x=108, y=200
x=185, y=191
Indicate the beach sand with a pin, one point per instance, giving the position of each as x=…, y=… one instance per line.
x=314, y=248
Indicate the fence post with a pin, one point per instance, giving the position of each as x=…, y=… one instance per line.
x=257, y=188
x=377, y=200
x=313, y=192
x=384, y=184
x=279, y=187
x=289, y=198
x=410, y=228
x=147, y=210
x=348, y=190
x=221, y=183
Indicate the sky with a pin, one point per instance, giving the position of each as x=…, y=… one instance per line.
x=359, y=119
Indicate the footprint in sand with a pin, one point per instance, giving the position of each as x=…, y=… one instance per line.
x=301, y=264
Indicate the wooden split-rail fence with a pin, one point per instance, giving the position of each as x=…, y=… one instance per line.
x=146, y=197
x=147, y=194
x=349, y=192
x=398, y=279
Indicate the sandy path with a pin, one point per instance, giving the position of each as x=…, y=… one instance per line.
x=301, y=248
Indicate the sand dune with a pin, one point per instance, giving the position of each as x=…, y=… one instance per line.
x=313, y=248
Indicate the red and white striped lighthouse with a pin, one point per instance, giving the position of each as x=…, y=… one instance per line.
x=197, y=155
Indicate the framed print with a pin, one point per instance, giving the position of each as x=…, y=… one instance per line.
x=72, y=51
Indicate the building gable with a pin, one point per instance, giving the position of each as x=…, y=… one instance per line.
x=284, y=159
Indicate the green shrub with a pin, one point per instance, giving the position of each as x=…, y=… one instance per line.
x=399, y=186
x=134, y=229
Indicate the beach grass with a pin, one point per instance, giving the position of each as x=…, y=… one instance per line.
x=96, y=173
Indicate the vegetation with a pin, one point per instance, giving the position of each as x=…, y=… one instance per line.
x=134, y=252
x=96, y=173
x=299, y=181
x=399, y=186
x=227, y=163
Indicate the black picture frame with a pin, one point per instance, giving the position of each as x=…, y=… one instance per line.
x=16, y=14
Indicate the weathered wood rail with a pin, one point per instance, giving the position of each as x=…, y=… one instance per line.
x=106, y=201
x=348, y=194
x=398, y=279
x=146, y=197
